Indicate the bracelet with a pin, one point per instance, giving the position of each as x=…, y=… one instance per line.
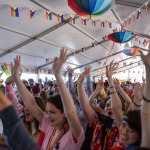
x=112, y=87
x=146, y=99
x=136, y=104
x=112, y=93
x=119, y=90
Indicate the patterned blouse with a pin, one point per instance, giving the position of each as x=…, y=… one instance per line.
x=104, y=138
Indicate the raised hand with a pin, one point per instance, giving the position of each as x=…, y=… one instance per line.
x=16, y=67
x=10, y=79
x=100, y=85
x=87, y=70
x=117, y=84
x=59, y=61
x=81, y=79
x=70, y=70
x=138, y=92
x=146, y=58
x=110, y=69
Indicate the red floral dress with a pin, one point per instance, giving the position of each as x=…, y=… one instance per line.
x=104, y=139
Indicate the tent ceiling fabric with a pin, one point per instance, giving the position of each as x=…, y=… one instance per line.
x=69, y=37
x=53, y=35
x=10, y=39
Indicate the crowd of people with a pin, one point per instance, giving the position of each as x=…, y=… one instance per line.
x=80, y=115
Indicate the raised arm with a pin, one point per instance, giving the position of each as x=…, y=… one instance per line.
x=100, y=87
x=28, y=99
x=125, y=96
x=10, y=93
x=69, y=108
x=83, y=98
x=115, y=100
x=145, y=108
x=70, y=83
x=138, y=96
x=89, y=87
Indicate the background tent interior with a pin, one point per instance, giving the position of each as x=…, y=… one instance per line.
x=38, y=40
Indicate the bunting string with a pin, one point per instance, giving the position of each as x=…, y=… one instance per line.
x=135, y=15
x=108, y=55
x=15, y=12
x=144, y=43
x=127, y=21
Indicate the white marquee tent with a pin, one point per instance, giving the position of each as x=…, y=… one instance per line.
x=38, y=39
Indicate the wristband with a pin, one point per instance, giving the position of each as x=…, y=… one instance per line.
x=119, y=90
x=146, y=100
x=112, y=87
x=112, y=93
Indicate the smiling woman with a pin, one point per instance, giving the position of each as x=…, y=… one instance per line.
x=130, y=130
x=130, y=125
x=60, y=123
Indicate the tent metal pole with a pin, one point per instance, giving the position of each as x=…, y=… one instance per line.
x=130, y=4
x=122, y=67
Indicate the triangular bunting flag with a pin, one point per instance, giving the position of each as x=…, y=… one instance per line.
x=49, y=71
x=48, y=15
x=60, y=18
x=72, y=19
x=130, y=20
x=105, y=38
x=109, y=24
x=94, y=44
x=4, y=67
x=102, y=23
x=83, y=21
x=83, y=49
x=74, y=53
x=93, y=23
x=146, y=5
x=139, y=15
x=14, y=11
x=32, y=12
x=145, y=43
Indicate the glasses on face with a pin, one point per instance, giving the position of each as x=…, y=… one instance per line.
x=128, y=129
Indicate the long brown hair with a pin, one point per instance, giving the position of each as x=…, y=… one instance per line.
x=41, y=104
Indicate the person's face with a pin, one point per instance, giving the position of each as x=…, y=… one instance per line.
x=128, y=135
x=40, y=81
x=54, y=114
x=46, y=87
x=106, y=88
x=108, y=109
x=31, y=83
x=56, y=90
x=28, y=116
